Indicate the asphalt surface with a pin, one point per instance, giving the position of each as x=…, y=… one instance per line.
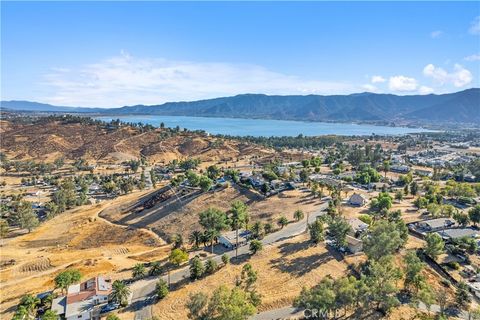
x=142, y=297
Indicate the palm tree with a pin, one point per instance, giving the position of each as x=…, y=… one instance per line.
x=139, y=271
x=195, y=238
x=239, y=218
x=120, y=293
x=257, y=229
x=30, y=303
x=156, y=269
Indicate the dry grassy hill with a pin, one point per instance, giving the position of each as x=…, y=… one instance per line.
x=48, y=140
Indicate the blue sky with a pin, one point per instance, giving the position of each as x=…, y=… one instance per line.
x=122, y=53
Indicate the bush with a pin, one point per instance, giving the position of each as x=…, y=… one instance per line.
x=453, y=264
x=225, y=259
x=161, y=289
x=210, y=266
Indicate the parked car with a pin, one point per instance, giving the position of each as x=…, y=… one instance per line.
x=109, y=307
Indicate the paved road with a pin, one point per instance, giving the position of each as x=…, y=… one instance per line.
x=143, y=290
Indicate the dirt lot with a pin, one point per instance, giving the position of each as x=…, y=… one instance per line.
x=182, y=217
x=79, y=239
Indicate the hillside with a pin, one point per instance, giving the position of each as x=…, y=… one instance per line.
x=72, y=140
x=463, y=106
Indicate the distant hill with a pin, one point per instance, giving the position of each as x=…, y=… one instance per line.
x=42, y=107
x=463, y=106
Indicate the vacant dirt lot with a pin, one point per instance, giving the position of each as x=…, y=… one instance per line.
x=182, y=216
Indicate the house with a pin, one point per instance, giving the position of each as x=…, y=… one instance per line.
x=424, y=173
x=256, y=181
x=358, y=226
x=435, y=224
x=357, y=200
x=82, y=300
x=400, y=168
x=458, y=233
x=229, y=239
x=354, y=245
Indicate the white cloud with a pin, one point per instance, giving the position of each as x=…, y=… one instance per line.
x=436, y=34
x=370, y=87
x=425, y=90
x=402, y=83
x=459, y=77
x=475, y=26
x=125, y=80
x=473, y=57
x=378, y=79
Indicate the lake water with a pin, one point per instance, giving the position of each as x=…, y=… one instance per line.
x=267, y=128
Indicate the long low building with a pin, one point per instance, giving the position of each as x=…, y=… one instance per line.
x=229, y=239
x=458, y=233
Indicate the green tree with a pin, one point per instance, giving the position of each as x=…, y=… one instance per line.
x=385, y=238
x=413, y=188
x=435, y=245
x=66, y=278
x=197, y=269
x=255, y=246
x=413, y=269
x=26, y=217
x=282, y=221
x=28, y=306
x=462, y=296
x=49, y=315
x=474, y=214
x=381, y=279
x=120, y=293
x=268, y=227
x=195, y=238
x=238, y=219
x=338, y=228
x=161, y=289
x=317, y=232
x=382, y=202
x=139, y=271
x=386, y=167
x=298, y=215
x=321, y=297
x=225, y=259
x=257, y=229
x=177, y=240
x=155, y=269
x=112, y=317
x=210, y=266
x=224, y=304
x=399, y=195
x=177, y=257
x=205, y=183
x=213, y=220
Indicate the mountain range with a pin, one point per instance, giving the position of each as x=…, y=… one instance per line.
x=462, y=107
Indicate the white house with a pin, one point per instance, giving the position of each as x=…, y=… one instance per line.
x=354, y=245
x=81, y=299
x=229, y=239
x=357, y=199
